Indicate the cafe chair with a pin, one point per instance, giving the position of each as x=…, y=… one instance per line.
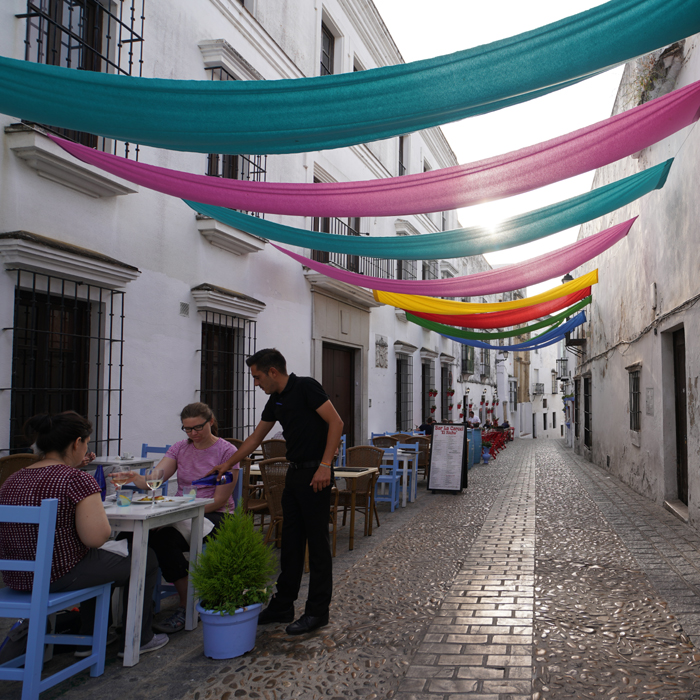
x=274, y=473
x=274, y=449
x=39, y=604
x=401, y=437
x=423, y=453
x=389, y=479
x=411, y=447
x=234, y=441
x=152, y=449
x=384, y=441
x=342, y=451
x=364, y=456
x=13, y=463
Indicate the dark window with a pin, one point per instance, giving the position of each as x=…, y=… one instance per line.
x=467, y=359
x=635, y=403
x=577, y=405
x=485, y=362
x=555, y=386
x=513, y=394
x=429, y=270
x=225, y=384
x=404, y=392
x=86, y=35
x=402, y=155
x=587, y=422
x=427, y=383
x=327, y=50
x=406, y=269
x=443, y=224
x=554, y=419
x=444, y=398
x=544, y=421
x=67, y=355
x=544, y=403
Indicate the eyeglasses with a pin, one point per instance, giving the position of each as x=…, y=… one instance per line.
x=195, y=428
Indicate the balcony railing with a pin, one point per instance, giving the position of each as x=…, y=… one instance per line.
x=539, y=389
x=372, y=267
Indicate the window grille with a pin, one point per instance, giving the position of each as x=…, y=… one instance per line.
x=402, y=155
x=555, y=386
x=635, y=400
x=539, y=389
x=443, y=221
x=406, y=269
x=577, y=404
x=327, y=50
x=444, y=386
x=226, y=385
x=485, y=362
x=587, y=418
x=429, y=270
x=467, y=359
x=404, y=392
x=513, y=394
x=67, y=354
x=427, y=383
x=87, y=35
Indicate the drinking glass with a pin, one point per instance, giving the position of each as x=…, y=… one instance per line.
x=154, y=478
x=119, y=479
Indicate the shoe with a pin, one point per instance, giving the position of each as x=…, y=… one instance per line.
x=84, y=652
x=270, y=615
x=307, y=623
x=174, y=623
x=158, y=641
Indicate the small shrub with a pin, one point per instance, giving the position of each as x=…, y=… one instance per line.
x=236, y=567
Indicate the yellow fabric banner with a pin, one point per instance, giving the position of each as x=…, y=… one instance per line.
x=431, y=305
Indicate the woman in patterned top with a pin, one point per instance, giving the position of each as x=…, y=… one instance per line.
x=81, y=523
x=190, y=459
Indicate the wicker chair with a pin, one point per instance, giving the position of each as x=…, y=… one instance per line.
x=424, y=453
x=402, y=437
x=274, y=449
x=13, y=463
x=361, y=456
x=383, y=441
x=234, y=441
x=274, y=473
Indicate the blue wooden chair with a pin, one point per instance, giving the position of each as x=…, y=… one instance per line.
x=389, y=480
x=412, y=447
x=39, y=604
x=152, y=449
x=342, y=452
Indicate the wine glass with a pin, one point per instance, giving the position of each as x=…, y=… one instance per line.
x=154, y=478
x=119, y=479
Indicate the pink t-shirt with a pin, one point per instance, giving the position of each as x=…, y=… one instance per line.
x=193, y=464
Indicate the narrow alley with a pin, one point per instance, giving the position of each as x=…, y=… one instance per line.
x=545, y=579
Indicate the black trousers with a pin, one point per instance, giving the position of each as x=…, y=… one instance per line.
x=306, y=517
x=99, y=566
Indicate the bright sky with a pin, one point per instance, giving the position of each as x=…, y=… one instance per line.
x=444, y=26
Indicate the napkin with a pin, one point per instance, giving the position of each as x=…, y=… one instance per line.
x=184, y=527
x=119, y=547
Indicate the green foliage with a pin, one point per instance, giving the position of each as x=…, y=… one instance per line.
x=236, y=567
x=485, y=443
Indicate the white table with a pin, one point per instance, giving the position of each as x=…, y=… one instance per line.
x=123, y=464
x=139, y=519
x=408, y=460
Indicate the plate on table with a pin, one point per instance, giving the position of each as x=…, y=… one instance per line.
x=174, y=500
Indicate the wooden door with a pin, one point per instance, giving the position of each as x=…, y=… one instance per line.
x=339, y=383
x=681, y=415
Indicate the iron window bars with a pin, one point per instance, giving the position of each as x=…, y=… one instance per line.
x=87, y=35
x=225, y=383
x=404, y=392
x=635, y=400
x=67, y=354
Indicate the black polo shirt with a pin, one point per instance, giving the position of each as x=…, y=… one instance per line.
x=295, y=409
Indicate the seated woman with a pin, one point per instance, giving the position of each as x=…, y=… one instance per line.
x=81, y=524
x=191, y=459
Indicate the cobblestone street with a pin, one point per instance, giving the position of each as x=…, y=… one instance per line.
x=545, y=579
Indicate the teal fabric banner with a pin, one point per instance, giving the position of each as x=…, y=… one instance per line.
x=474, y=240
x=308, y=114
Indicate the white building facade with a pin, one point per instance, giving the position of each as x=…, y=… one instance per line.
x=636, y=383
x=123, y=304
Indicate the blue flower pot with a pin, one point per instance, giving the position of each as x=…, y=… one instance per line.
x=228, y=636
x=486, y=456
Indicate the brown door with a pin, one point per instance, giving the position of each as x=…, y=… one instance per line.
x=339, y=383
x=681, y=416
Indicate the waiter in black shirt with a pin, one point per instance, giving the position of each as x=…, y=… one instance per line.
x=312, y=429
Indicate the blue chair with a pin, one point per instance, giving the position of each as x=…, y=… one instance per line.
x=342, y=451
x=39, y=604
x=389, y=479
x=152, y=449
x=411, y=447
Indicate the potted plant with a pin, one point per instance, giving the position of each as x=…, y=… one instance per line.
x=231, y=579
x=433, y=408
x=486, y=451
x=450, y=406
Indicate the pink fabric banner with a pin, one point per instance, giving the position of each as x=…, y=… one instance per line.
x=504, y=279
x=437, y=190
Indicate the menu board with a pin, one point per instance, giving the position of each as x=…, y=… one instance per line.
x=448, y=457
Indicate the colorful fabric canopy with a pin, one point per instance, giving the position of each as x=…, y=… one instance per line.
x=307, y=114
x=541, y=341
x=471, y=335
x=506, y=319
x=430, y=305
x=504, y=279
x=318, y=199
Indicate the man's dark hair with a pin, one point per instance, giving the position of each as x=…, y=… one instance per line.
x=267, y=358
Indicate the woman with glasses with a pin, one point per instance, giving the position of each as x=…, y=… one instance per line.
x=190, y=459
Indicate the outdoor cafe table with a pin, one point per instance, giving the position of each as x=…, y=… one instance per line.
x=139, y=520
x=351, y=475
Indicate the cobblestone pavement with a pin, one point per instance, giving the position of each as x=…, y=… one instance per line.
x=545, y=579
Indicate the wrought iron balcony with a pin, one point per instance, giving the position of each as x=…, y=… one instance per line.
x=539, y=389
